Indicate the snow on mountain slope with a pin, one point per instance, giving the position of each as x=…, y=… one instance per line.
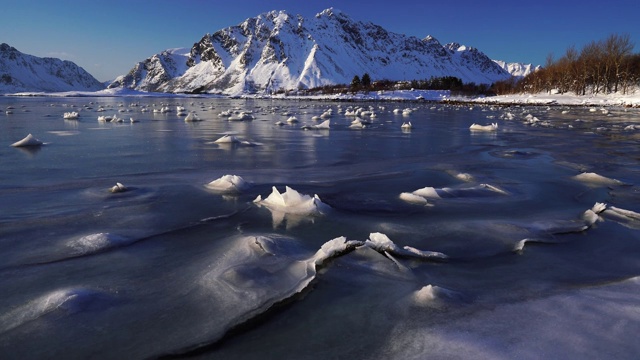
x=276, y=50
x=518, y=70
x=22, y=72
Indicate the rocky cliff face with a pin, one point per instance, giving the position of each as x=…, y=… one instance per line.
x=276, y=51
x=22, y=72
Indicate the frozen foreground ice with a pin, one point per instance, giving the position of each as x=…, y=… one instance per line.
x=309, y=239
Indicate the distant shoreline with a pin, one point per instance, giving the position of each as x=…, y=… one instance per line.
x=429, y=96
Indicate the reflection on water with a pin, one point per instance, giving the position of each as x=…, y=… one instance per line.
x=530, y=221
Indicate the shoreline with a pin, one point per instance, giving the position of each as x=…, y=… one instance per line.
x=409, y=96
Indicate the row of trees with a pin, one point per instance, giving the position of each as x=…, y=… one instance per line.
x=365, y=83
x=605, y=66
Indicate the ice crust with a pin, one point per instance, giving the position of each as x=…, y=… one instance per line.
x=63, y=302
x=96, y=242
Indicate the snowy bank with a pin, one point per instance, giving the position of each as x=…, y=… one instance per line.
x=568, y=99
x=631, y=100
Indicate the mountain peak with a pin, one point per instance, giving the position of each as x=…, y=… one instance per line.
x=331, y=12
x=276, y=51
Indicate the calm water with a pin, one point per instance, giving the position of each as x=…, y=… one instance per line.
x=173, y=268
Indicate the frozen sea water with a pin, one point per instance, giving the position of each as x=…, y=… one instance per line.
x=520, y=242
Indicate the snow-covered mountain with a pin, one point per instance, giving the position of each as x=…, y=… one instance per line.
x=518, y=70
x=276, y=50
x=22, y=72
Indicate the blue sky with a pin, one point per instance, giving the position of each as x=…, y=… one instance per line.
x=107, y=37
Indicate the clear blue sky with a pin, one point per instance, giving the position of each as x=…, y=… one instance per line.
x=107, y=37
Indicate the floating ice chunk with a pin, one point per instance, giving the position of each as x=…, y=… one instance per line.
x=228, y=183
x=118, y=188
x=507, y=116
x=463, y=176
x=381, y=243
x=433, y=193
x=430, y=295
x=628, y=218
x=591, y=215
x=424, y=254
x=292, y=202
x=622, y=212
x=241, y=116
x=29, y=140
x=357, y=124
x=226, y=113
x=477, y=127
x=592, y=178
x=227, y=139
x=325, y=125
x=192, y=116
x=427, y=192
x=326, y=114
x=414, y=199
x=333, y=248
x=71, y=115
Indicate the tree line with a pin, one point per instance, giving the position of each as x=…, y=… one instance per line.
x=364, y=83
x=600, y=67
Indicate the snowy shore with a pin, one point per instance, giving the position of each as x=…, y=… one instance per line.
x=568, y=99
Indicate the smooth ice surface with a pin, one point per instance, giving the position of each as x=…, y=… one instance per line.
x=376, y=243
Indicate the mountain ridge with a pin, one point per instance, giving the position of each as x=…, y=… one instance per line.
x=276, y=50
x=20, y=72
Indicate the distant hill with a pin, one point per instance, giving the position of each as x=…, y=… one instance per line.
x=22, y=72
x=278, y=51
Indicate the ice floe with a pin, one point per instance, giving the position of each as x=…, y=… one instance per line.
x=451, y=192
x=594, y=179
x=477, y=127
x=292, y=202
x=29, y=140
x=118, y=188
x=432, y=296
x=231, y=139
x=71, y=115
x=228, y=183
x=381, y=243
x=192, y=116
x=325, y=125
